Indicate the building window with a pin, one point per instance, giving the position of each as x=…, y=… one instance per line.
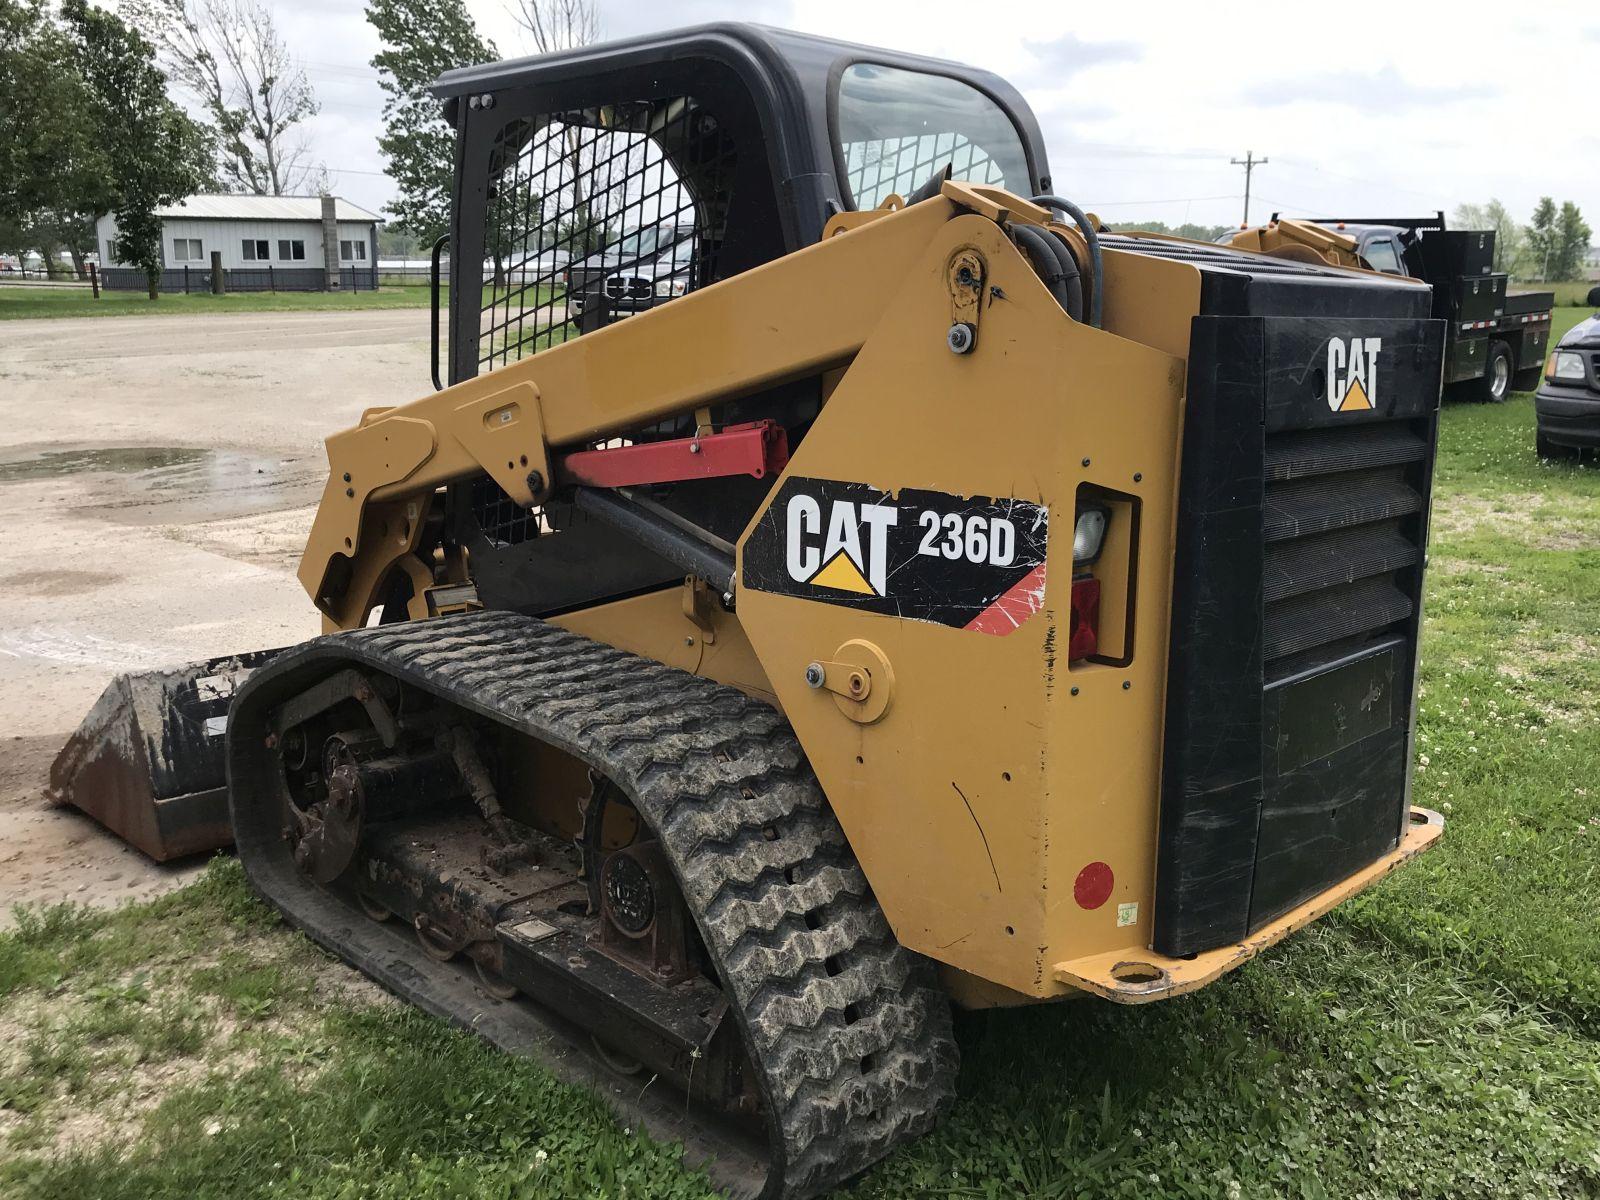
x=291, y=250
x=186, y=250
x=256, y=250
x=353, y=251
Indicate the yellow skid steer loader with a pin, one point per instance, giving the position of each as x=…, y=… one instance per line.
x=840, y=580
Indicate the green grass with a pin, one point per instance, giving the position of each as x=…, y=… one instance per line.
x=1437, y=1037
x=17, y=303
x=24, y=302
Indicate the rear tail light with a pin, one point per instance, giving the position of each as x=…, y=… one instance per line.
x=1088, y=538
x=1085, y=637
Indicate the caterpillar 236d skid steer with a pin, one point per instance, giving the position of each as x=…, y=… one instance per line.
x=829, y=588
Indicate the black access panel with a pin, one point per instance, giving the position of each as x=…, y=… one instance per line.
x=1307, y=459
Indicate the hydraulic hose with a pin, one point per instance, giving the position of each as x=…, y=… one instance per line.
x=1096, y=284
x=1056, y=267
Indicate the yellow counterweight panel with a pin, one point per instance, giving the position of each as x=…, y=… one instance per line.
x=997, y=772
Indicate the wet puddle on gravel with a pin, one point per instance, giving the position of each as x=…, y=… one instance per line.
x=152, y=485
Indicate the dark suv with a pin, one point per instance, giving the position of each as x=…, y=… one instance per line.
x=1567, y=403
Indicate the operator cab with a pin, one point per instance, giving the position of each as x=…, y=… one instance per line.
x=740, y=140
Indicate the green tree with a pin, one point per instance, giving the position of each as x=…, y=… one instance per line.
x=155, y=153
x=1541, y=239
x=1188, y=229
x=1508, y=239
x=422, y=39
x=1571, y=240
x=52, y=169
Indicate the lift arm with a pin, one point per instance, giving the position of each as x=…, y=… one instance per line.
x=1301, y=241
x=788, y=319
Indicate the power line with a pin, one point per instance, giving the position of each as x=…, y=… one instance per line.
x=1249, y=162
x=1289, y=206
x=1166, y=200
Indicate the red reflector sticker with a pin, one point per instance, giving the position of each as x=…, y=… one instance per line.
x=1093, y=886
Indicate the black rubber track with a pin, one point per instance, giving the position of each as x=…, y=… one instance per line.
x=848, y=1030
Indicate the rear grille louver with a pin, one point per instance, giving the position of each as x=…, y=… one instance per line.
x=1343, y=556
x=1342, y=525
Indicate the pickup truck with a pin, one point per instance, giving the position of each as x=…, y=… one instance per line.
x=1497, y=338
x=648, y=265
x=1567, y=404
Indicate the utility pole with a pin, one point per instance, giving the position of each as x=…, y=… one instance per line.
x=1249, y=162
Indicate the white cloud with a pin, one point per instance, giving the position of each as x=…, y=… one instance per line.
x=1382, y=108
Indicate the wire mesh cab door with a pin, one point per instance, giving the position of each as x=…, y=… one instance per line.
x=581, y=203
x=586, y=202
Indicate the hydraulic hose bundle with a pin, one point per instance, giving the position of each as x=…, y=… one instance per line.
x=1056, y=265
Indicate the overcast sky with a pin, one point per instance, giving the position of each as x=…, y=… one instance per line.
x=1388, y=109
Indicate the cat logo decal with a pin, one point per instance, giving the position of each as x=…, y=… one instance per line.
x=973, y=562
x=1353, y=373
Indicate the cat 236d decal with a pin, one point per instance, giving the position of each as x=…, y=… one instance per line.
x=968, y=562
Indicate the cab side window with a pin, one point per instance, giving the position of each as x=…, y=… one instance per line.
x=1383, y=256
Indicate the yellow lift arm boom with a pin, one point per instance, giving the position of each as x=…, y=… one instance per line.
x=788, y=319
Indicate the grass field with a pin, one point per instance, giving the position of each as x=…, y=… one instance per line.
x=18, y=303
x=1567, y=294
x=23, y=302
x=1437, y=1037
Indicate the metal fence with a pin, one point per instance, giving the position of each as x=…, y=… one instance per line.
x=197, y=280
x=63, y=274
x=519, y=267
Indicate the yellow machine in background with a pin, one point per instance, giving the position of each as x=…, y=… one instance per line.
x=832, y=587
x=1300, y=241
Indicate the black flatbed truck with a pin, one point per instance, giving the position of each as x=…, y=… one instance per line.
x=1497, y=338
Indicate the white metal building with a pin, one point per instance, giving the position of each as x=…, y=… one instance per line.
x=275, y=242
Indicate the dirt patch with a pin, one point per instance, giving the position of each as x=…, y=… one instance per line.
x=1535, y=519
x=50, y=854
x=64, y=583
x=125, y=1085
x=1442, y=565
x=1531, y=661
x=275, y=540
x=97, y=1088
